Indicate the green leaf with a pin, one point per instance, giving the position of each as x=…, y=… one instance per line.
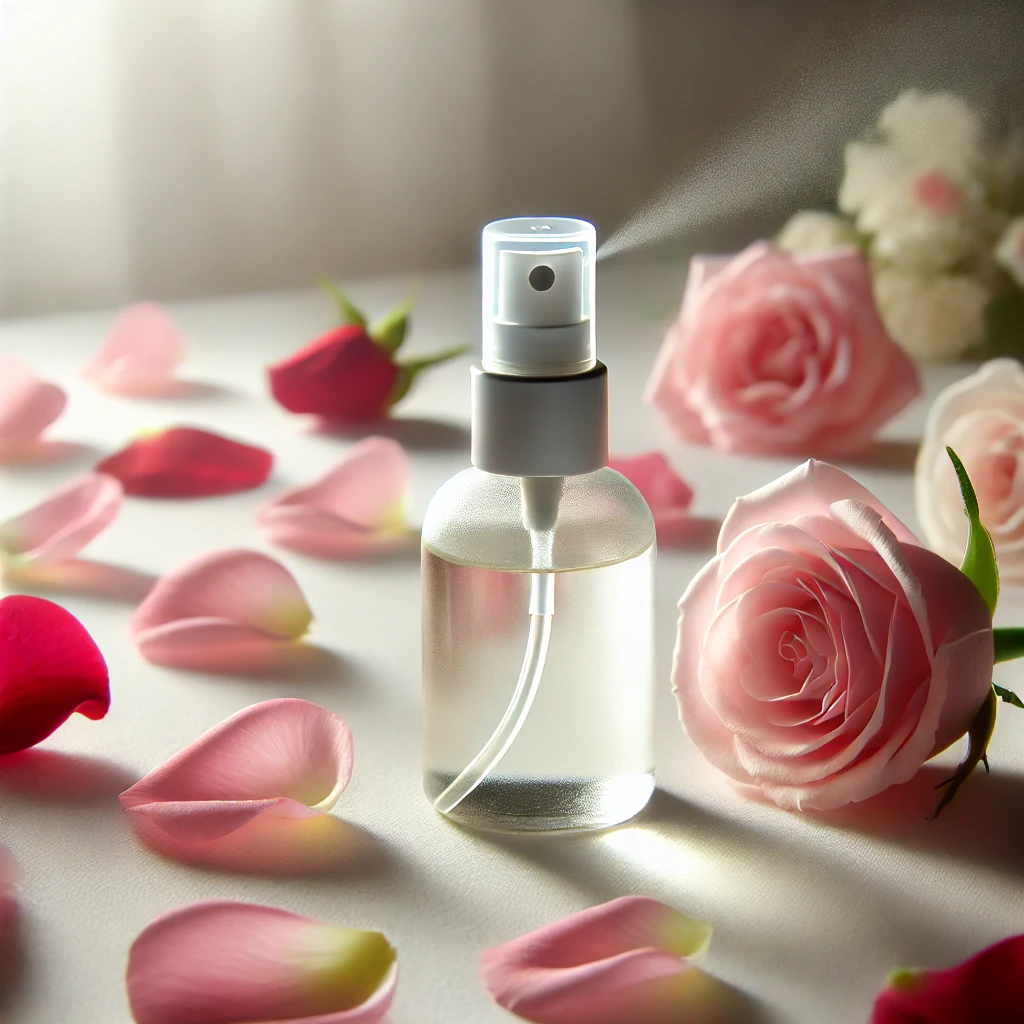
x=979, y=564
x=408, y=371
x=1009, y=643
x=978, y=737
x=1008, y=696
x=390, y=330
x=348, y=313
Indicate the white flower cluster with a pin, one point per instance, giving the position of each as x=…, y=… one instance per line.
x=931, y=200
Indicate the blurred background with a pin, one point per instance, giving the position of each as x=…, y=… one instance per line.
x=179, y=148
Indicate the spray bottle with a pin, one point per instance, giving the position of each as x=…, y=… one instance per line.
x=538, y=567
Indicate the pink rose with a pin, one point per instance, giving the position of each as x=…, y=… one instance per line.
x=823, y=654
x=774, y=352
x=982, y=419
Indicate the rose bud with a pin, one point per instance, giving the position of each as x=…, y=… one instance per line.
x=350, y=375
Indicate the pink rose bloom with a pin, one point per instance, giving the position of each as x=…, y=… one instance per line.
x=779, y=352
x=981, y=417
x=823, y=654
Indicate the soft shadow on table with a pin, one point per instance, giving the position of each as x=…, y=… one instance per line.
x=417, y=433
x=195, y=390
x=81, y=576
x=883, y=454
x=49, y=452
x=12, y=960
x=295, y=663
x=54, y=777
x=984, y=823
x=694, y=532
x=290, y=663
x=319, y=846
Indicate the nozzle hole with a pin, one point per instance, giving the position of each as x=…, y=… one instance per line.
x=541, y=278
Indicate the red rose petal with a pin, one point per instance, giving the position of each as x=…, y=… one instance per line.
x=184, y=462
x=49, y=668
x=344, y=375
x=988, y=987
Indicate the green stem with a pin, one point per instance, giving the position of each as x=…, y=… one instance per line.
x=1009, y=643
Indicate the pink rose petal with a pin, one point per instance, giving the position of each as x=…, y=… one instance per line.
x=355, y=509
x=627, y=960
x=61, y=525
x=27, y=405
x=140, y=354
x=235, y=963
x=666, y=493
x=988, y=987
x=286, y=758
x=229, y=609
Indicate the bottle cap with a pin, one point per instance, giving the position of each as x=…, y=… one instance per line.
x=538, y=296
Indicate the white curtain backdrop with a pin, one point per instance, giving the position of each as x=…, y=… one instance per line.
x=170, y=148
x=196, y=146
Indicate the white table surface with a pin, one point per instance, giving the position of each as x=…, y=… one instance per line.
x=810, y=911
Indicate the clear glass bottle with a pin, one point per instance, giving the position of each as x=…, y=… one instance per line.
x=584, y=757
x=538, y=567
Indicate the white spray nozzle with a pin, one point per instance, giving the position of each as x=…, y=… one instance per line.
x=540, y=289
x=538, y=296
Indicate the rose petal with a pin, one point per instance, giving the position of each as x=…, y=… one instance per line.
x=666, y=493
x=140, y=353
x=288, y=758
x=61, y=525
x=27, y=405
x=623, y=960
x=183, y=462
x=354, y=509
x=810, y=489
x=344, y=375
x=988, y=987
x=232, y=963
x=222, y=610
x=49, y=668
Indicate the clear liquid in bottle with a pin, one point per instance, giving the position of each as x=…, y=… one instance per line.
x=584, y=756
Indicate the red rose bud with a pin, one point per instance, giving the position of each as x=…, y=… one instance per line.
x=184, y=462
x=344, y=375
x=988, y=987
x=350, y=374
x=49, y=668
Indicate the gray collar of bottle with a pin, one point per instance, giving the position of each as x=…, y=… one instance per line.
x=540, y=426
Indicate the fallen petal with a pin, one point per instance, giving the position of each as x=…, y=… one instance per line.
x=627, y=960
x=287, y=758
x=140, y=354
x=28, y=405
x=231, y=963
x=229, y=609
x=184, y=462
x=355, y=509
x=988, y=987
x=49, y=668
x=666, y=493
x=61, y=525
